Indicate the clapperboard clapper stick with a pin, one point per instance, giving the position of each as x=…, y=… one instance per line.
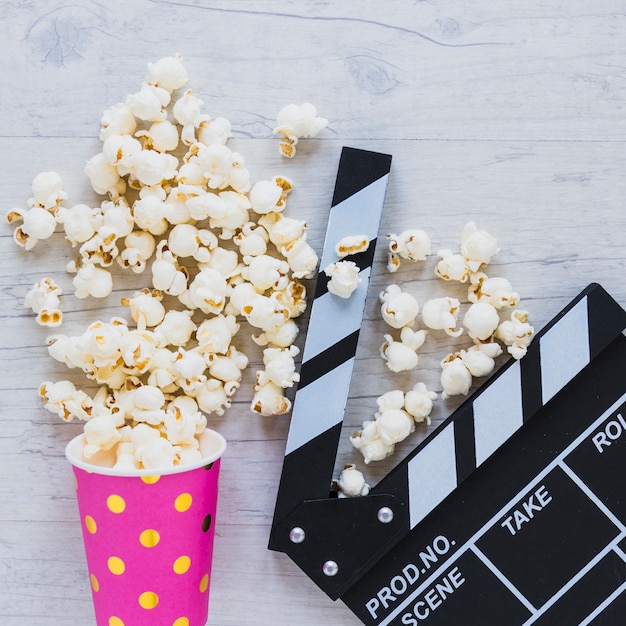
x=495, y=517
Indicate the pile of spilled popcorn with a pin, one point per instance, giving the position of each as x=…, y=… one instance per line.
x=488, y=297
x=178, y=206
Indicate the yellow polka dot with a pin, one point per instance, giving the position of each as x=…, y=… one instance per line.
x=91, y=525
x=183, y=502
x=116, y=565
x=150, y=480
x=149, y=538
x=181, y=621
x=148, y=599
x=116, y=503
x=204, y=583
x=95, y=585
x=182, y=564
x=75, y=482
x=115, y=621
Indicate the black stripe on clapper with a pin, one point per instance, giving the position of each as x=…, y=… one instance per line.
x=605, y=316
x=329, y=359
x=464, y=442
x=530, y=374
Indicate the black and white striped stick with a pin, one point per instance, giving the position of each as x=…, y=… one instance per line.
x=332, y=335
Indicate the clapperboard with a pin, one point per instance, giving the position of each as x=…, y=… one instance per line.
x=512, y=512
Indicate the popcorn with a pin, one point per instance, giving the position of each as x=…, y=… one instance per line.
x=104, y=177
x=102, y=433
x=281, y=336
x=266, y=272
x=139, y=246
x=168, y=73
x=207, y=291
x=394, y=425
x=119, y=150
x=295, y=122
x=292, y=297
x=158, y=378
x=37, y=224
x=456, y=379
x=269, y=399
x=228, y=368
x=280, y=367
x=185, y=240
x=496, y=291
x=399, y=308
x=477, y=246
x=344, y=278
x=351, y=244
x=189, y=366
x=516, y=333
x=148, y=104
x=47, y=188
x=480, y=358
x=161, y=136
x=183, y=422
x=351, y=483
x=264, y=312
x=117, y=120
x=214, y=132
x=150, y=211
x=452, y=266
x=266, y=197
x=369, y=444
x=442, y=314
x=188, y=113
x=411, y=244
x=211, y=397
x=215, y=334
x=301, y=257
x=282, y=230
x=65, y=400
x=150, y=167
x=176, y=328
x=418, y=402
x=251, y=240
x=167, y=275
x=92, y=281
x=80, y=222
x=402, y=355
x=43, y=299
x=481, y=321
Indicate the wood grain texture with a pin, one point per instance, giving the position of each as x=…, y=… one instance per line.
x=511, y=115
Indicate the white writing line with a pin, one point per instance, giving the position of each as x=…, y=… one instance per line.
x=572, y=581
x=603, y=606
x=507, y=583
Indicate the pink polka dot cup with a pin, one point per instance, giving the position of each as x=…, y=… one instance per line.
x=149, y=537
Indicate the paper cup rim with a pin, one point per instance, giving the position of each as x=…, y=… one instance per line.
x=216, y=452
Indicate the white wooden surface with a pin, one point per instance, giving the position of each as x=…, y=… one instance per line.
x=511, y=114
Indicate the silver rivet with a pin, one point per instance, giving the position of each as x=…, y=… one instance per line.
x=297, y=535
x=385, y=515
x=330, y=568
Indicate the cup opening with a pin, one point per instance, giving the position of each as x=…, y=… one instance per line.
x=212, y=447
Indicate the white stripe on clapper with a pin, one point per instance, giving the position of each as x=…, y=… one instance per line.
x=352, y=217
x=333, y=318
x=319, y=406
x=564, y=350
x=498, y=412
x=432, y=474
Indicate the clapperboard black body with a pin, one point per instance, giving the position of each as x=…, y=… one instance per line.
x=512, y=512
